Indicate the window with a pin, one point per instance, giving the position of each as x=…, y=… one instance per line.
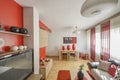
x=115, y=43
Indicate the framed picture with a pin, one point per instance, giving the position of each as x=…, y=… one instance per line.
x=69, y=40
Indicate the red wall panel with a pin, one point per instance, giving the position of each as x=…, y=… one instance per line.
x=44, y=27
x=43, y=52
x=11, y=14
x=43, y=49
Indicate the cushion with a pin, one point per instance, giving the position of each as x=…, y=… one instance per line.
x=112, y=69
x=99, y=74
x=104, y=65
x=93, y=64
x=96, y=74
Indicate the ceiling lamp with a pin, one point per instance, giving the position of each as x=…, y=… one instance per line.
x=76, y=31
x=96, y=7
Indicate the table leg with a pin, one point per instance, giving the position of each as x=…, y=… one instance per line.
x=60, y=56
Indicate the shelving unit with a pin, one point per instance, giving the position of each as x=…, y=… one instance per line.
x=7, y=32
x=45, y=69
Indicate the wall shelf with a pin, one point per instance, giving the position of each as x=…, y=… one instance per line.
x=7, y=32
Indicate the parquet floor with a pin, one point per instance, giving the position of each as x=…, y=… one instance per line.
x=65, y=65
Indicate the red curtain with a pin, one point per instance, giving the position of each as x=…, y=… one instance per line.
x=105, y=40
x=92, y=44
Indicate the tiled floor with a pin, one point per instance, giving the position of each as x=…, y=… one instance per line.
x=65, y=65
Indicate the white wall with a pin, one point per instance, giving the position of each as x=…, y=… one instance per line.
x=31, y=22
x=55, y=41
x=88, y=41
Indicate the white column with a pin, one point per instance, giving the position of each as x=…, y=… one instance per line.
x=31, y=22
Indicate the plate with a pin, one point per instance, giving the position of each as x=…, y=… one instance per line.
x=1, y=42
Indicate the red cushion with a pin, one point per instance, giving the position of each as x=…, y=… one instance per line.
x=112, y=70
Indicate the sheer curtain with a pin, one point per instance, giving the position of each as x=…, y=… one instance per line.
x=97, y=42
x=88, y=41
x=115, y=38
x=105, y=40
x=92, y=44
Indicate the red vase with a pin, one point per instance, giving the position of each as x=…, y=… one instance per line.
x=73, y=47
x=68, y=47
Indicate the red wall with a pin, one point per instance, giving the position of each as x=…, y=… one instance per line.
x=44, y=27
x=43, y=52
x=43, y=49
x=11, y=14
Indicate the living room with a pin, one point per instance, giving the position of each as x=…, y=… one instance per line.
x=63, y=34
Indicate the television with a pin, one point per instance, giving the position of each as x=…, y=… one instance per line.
x=17, y=65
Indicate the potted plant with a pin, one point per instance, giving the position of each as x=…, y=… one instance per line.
x=80, y=73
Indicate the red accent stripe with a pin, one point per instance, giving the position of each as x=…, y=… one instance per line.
x=43, y=52
x=44, y=27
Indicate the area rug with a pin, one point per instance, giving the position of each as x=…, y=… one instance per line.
x=63, y=75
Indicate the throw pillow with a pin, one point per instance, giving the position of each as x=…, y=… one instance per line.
x=112, y=69
x=104, y=65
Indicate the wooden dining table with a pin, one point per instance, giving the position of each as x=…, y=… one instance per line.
x=68, y=52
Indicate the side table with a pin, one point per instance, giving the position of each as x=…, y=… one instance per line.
x=84, y=55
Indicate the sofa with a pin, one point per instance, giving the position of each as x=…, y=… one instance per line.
x=104, y=70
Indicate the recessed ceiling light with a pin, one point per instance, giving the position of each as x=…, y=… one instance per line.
x=92, y=8
x=96, y=12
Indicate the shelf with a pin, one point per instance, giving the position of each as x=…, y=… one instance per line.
x=7, y=32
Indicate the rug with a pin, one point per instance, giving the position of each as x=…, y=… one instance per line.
x=63, y=75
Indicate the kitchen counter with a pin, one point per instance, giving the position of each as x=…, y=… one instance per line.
x=9, y=54
x=16, y=65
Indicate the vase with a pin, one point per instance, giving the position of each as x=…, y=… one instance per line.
x=80, y=75
x=68, y=47
x=14, y=29
x=23, y=30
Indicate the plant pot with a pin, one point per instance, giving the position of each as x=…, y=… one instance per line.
x=80, y=75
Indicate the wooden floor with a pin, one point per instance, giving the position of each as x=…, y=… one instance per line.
x=65, y=65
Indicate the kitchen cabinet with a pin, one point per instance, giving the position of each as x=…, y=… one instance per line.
x=16, y=65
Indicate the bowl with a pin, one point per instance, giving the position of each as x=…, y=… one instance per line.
x=14, y=48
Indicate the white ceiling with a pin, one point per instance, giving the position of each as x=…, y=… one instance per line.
x=60, y=14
